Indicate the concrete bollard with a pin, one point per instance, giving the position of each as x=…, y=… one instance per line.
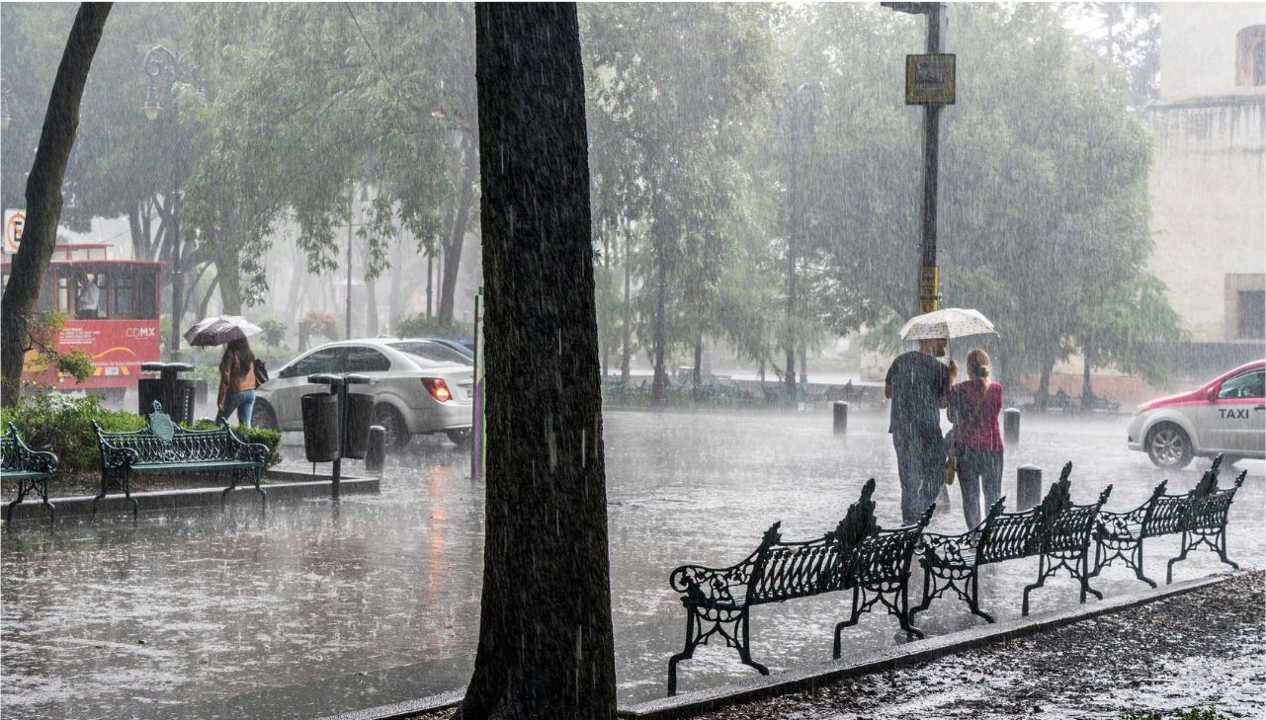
x=376, y=453
x=1011, y=426
x=840, y=411
x=1028, y=486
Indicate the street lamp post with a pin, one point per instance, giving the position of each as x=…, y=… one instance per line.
x=795, y=112
x=929, y=276
x=165, y=69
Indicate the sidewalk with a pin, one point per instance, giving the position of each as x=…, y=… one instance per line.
x=1196, y=650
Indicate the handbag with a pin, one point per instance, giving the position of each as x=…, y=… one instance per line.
x=951, y=467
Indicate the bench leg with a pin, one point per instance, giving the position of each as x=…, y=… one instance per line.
x=127, y=492
x=685, y=654
x=926, y=601
x=1138, y=565
x=1169, y=569
x=852, y=620
x=745, y=645
x=973, y=595
x=903, y=613
x=52, y=509
x=1084, y=577
x=8, y=513
x=1041, y=580
x=1220, y=545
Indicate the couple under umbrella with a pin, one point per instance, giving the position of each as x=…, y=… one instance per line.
x=237, y=365
x=920, y=385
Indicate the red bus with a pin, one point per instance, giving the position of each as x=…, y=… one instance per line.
x=112, y=311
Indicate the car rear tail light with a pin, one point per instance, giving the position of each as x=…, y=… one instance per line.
x=438, y=389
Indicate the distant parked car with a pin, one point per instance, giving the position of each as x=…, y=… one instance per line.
x=1225, y=415
x=463, y=345
x=419, y=387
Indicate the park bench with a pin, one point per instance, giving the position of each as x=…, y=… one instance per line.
x=1055, y=530
x=1205, y=520
x=164, y=448
x=28, y=468
x=857, y=554
x=1121, y=535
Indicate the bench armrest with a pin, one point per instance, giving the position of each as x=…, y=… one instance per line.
x=114, y=456
x=33, y=460
x=1118, y=523
x=250, y=452
x=948, y=547
x=709, y=586
x=253, y=452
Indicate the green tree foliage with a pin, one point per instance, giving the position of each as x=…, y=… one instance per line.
x=1043, y=184
x=672, y=91
x=318, y=101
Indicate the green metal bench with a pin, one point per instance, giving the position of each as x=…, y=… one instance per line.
x=164, y=448
x=28, y=468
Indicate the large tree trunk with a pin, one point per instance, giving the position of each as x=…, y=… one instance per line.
x=626, y=350
x=397, y=272
x=1043, y=395
x=1087, y=393
x=661, y=235
x=545, y=637
x=228, y=270
x=44, y=193
x=453, y=249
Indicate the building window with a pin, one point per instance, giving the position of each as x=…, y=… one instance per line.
x=1250, y=56
x=1252, y=314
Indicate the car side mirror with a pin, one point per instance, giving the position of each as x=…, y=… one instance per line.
x=1211, y=394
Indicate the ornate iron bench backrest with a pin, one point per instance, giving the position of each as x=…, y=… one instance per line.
x=1210, y=511
x=1070, y=529
x=884, y=556
x=784, y=571
x=1016, y=535
x=1168, y=514
x=11, y=455
x=788, y=570
x=164, y=441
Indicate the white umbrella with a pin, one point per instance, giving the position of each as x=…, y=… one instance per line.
x=220, y=329
x=947, y=323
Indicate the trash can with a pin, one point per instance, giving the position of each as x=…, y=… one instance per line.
x=320, y=426
x=360, y=415
x=175, y=396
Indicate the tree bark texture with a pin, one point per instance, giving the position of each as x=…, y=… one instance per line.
x=44, y=193
x=545, y=636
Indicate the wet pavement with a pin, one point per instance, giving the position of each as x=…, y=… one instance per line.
x=316, y=608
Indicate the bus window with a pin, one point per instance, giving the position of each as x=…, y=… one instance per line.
x=124, y=295
x=144, y=293
x=91, y=296
x=64, y=296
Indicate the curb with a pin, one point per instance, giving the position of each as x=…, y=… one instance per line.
x=406, y=709
x=294, y=485
x=810, y=677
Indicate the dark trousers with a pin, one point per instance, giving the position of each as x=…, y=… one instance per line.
x=921, y=467
x=977, y=470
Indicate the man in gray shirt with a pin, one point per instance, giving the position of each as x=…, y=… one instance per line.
x=918, y=385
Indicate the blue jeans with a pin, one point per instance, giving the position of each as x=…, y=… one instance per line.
x=243, y=402
x=979, y=470
x=921, y=468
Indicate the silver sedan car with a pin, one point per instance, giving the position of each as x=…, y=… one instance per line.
x=419, y=386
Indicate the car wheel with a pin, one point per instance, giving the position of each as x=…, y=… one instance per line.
x=264, y=417
x=397, y=431
x=459, y=437
x=1168, y=446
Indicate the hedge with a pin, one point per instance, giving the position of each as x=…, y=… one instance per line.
x=63, y=424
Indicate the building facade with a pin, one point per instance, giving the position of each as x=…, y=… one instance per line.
x=1208, y=181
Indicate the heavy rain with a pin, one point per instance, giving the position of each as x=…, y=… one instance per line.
x=452, y=360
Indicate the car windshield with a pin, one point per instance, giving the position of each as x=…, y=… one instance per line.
x=428, y=354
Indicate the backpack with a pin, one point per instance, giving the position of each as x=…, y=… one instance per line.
x=261, y=372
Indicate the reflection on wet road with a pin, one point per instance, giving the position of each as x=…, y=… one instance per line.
x=315, y=609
